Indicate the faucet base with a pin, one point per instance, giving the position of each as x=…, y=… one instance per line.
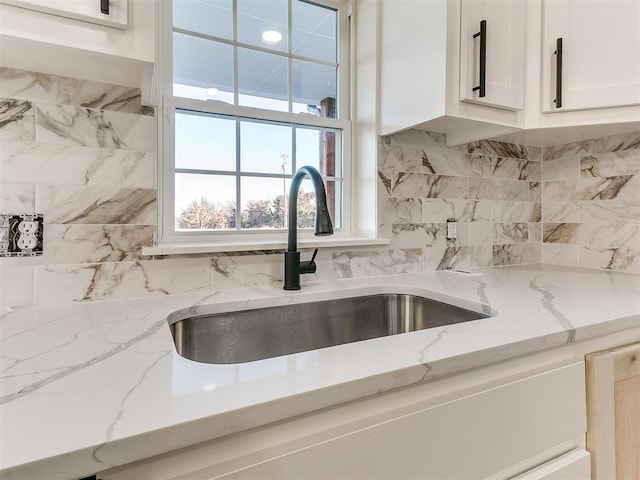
x=291, y=270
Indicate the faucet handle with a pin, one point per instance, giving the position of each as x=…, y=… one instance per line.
x=310, y=266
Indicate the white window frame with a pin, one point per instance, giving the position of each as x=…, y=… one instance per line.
x=226, y=240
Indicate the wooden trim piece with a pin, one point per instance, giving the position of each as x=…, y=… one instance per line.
x=627, y=362
x=613, y=412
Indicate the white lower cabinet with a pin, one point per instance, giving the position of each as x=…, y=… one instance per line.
x=496, y=431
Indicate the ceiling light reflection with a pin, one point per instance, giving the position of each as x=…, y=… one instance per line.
x=271, y=36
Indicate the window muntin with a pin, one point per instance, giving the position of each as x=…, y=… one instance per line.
x=224, y=158
x=249, y=171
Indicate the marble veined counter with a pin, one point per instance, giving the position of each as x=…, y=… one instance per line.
x=89, y=386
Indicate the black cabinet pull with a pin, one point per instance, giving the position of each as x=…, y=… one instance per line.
x=558, y=54
x=483, y=58
x=104, y=6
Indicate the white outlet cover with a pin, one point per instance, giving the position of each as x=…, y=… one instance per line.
x=28, y=227
x=27, y=242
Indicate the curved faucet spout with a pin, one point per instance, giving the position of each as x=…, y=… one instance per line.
x=322, y=223
x=293, y=267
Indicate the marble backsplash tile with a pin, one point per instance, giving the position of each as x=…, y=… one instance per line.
x=22, y=84
x=561, y=254
x=505, y=150
x=554, y=211
x=511, y=169
x=439, y=210
x=591, y=207
x=62, y=204
x=516, y=254
x=17, y=120
x=59, y=284
x=95, y=128
x=82, y=153
x=55, y=164
x=96, y=243
x=17, y=197
x=623, y=259
x=614, y=143
x=607, y=210
x=516, y=211
x=492, y=189
x=610, y=164
x=597, y=235
x=509, y=233
x=360, y=263
x=417, y=185
x=498, y=189
x=92, y=170
x=16, y=285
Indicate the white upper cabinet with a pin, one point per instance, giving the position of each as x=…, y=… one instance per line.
x=74, y=38
x=492, y=52
x=430, y=64
x=112, y=13
x=600, y=62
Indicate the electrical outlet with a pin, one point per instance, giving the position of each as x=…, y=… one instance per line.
x=27, y=242
x=21, y=235
x=28, y=227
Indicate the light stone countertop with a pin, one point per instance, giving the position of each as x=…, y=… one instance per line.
x=88, y=386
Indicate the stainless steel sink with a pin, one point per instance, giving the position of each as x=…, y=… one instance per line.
x=248, y=335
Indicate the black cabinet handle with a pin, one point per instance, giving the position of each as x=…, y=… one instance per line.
x=558, y=54
x=104, y=6
x=483, y=58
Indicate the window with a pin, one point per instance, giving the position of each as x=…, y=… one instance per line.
x=252, y=90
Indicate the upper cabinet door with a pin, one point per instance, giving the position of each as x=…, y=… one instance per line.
x=600, y=62
x=492, y=52
x=111, y=13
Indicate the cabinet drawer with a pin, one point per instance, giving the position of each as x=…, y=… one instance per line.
x=574, y=465
x=471, y=437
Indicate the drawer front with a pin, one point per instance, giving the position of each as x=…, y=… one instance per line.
x=575, y=465
x=471, y=437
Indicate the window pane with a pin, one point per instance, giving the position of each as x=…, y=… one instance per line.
x=202, y=69
x=314, y=31
x=262, y=80
x=321, y=148
x=255, y=17
x=314, y=83
x=213, y=17
x=205, y=201
x=265, y=148
x=205, y=142
x=263, y=202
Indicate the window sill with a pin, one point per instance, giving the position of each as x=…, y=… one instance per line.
x=246, y=246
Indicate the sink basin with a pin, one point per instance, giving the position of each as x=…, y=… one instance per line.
x=248, y=335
